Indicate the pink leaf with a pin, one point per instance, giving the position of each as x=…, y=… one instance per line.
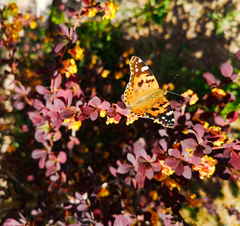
x=42, y=90
x=219, y=120
x=62, y=157
x=124, y=168
x=175, y=153
x=94, y=102
x=227, y=70
x=38, y=153
x=235, y=160
x=120, y=221
x=113, y=171
x=94, y=115
x=209, y=78
x=187, y=172
x=171, y=162
x=238, y=54
x=57, y=81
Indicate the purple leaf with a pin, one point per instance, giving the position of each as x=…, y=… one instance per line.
x=227, y=70
x=227, y=153
x=59, y=46
x=200, y=131
x=209, y=78
x=189, y=143
x=74, y=37
x=179, y=169
x=63, y=29
x=235, y=160
x=238, y=54
x=219, y=120
x=71, y=12
x=232, y=116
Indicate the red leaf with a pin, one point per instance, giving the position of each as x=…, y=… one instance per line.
x=227, y=70
x=235, y=160
x=232, y=116
x=209, y=78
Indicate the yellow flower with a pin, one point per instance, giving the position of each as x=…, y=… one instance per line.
x=14, y=9
x=187, y=93
x=72, y=124
x=118, y=74
x=105, y=73
x=164, y=173
x=194, y=98
x=33, y=24
x=192, y=200
x=221, y=138
x=131, y=118
x=110, y=10
x=206, y=168
x=218, y=93
x=69, y=67
x=77, y=52
x=103, y=192
x=215, y=130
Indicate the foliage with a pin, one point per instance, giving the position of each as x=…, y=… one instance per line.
x=92, y=163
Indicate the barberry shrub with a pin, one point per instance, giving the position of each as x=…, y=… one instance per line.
x=87, y=161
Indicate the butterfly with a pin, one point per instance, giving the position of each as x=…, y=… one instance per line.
x=144, y=98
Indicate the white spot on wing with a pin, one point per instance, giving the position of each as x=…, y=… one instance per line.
x=136, y=70
x=145, y=68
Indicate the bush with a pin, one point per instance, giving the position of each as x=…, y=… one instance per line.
x=97, y=163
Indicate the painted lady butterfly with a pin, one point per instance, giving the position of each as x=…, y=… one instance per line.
x=144, y=98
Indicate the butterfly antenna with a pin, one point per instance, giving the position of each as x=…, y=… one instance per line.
x=173, y=92
x=174, y=78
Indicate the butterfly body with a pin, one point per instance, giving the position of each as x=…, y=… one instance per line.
x=144, y=98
